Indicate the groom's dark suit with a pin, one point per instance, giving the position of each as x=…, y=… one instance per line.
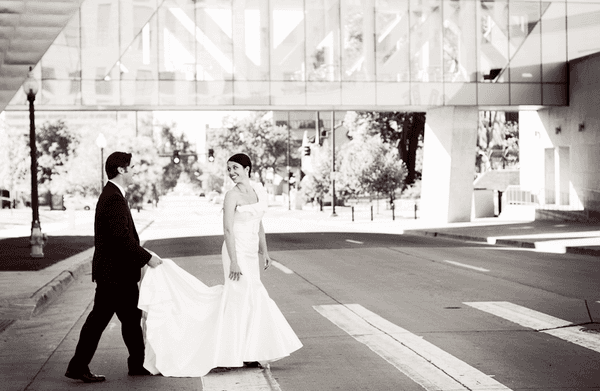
x=116, y=269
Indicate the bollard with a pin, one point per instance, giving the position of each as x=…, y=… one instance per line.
x=393, y=213
x=353, y=213
x=415, y=210
x=371, y=212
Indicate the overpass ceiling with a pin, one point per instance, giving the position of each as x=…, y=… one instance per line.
x=27, y=29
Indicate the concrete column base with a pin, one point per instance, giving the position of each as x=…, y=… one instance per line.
x=449, y=164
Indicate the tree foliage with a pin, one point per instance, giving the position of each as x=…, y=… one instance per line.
x=256, y=136
x=317, y=184
x=369, y=165
x=404, y=130
x=14, y=155
x=56, y=144
x=497, y=141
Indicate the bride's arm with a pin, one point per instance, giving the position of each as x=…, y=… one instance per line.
x=229, y=205
x=262, y=246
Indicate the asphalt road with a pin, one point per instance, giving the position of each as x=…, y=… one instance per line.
x=374, y=312
x=423, y=286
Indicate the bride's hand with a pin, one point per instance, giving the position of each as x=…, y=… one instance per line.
x=234, y=272
x=268, y=261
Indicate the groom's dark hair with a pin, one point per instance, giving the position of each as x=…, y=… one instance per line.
x=116, y=160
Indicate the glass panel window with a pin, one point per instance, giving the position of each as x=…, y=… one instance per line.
x=214, y=92
x=214, y=40
x=358, y=38
x=288, y=93
x=582, y=20
x=176, y=47
x=460, y=41
x=287, y=40
x=324, y=93
x=492, y=36
x=396, y=94
x=63, y=54
x=100, y=40
x=426, y=40
x=134, y=15
x=323, y=41
x=554, y=42
x=392, y=40
x=525, y=42
x=251, y=39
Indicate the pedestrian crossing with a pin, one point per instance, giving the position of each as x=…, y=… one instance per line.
x=431, y=367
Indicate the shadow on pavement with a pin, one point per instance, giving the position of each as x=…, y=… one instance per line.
x=15, y=252
x=211, y=245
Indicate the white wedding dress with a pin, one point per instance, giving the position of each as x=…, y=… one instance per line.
x=191, y=327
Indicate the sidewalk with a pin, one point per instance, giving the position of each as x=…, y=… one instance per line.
x=25, y=294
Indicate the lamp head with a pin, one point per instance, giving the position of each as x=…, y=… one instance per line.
x=30, y=85
x=101, y=141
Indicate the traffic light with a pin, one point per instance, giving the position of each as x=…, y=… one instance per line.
x=211, y=155
x=176, y=159
x=306, y=150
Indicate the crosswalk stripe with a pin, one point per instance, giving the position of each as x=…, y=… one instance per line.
x=282, y=268
x=540, y=322
x=240, y=380
x=423, y=362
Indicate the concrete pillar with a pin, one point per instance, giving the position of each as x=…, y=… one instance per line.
x=449, y=164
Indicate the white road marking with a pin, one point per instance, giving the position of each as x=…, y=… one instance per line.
x=540, y=322
x=354, y=241
x=282, y=268
x=241, y=380
x=426, y=364
x=467, y=266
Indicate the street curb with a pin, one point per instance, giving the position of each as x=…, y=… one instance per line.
x=26, y=308
x=504, y=242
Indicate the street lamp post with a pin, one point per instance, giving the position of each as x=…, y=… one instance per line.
x=333, y=214
x=37, y=240
x=101, y=143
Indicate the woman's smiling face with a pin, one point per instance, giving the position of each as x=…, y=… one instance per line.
x=236, y=171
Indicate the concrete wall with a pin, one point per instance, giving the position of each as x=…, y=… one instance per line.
x=560, y=147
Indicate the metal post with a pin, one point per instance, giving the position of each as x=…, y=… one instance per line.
x=333, y=214
x=353, y=213
x=371, y=212
x=33, y=149
x=393, y=212
x=101, y=169
x=288, y=164
x=415, y=210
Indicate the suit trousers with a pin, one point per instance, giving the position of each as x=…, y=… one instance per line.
x=109, y=299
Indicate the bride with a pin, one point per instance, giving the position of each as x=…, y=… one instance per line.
x=192, y=328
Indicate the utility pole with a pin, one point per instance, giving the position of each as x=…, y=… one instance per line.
x=333, y=214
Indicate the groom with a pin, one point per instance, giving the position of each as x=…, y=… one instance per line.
x=116, y=269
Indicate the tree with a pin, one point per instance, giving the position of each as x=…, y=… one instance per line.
x=256, y=136
x=55, y=146
x=497, y=141
x=404, y=130
x=317, y=184
x=170, y=141
x=14, y=155
x=369, y=165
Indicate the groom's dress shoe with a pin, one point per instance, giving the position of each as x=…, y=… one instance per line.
x=139, y=372
x=85, y=377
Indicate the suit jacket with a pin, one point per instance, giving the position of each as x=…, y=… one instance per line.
x=118, y=256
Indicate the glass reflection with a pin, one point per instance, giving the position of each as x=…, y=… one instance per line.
x=392, y=40
x=317, y=52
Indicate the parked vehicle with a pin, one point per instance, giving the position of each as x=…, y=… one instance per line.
x=5, y=197
x=76, y=203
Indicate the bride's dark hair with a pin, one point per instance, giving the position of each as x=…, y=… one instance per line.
x=243, y=160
